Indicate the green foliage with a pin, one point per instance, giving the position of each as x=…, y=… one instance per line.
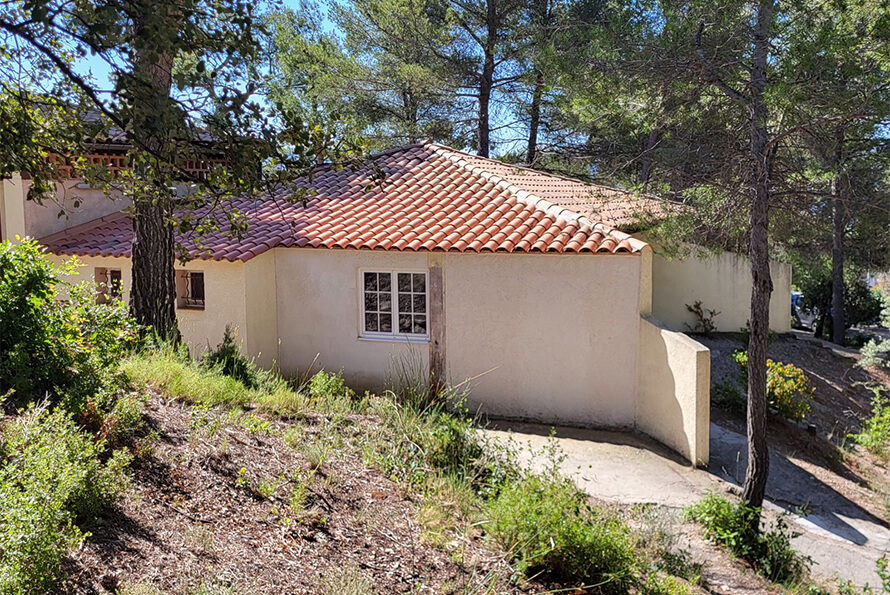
x=547, y=526
x=328, y=384
x=861, y=304
x=736, y=526
x=704, y=319
x=875, y=354
x=726, y=396
x=52, y=476
x=228, y=360
x=65, y=348
x=875, y=433
x=788, y=388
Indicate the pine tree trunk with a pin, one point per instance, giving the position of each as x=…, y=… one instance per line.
x=757, y=472
x=535, y=121
x=838, y=316
x=153, y=292
x=486, y=80
x=485, y=85
x=646, y=170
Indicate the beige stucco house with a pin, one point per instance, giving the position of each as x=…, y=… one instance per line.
x=518, y=280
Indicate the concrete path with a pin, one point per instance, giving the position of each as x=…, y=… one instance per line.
x=842, y=539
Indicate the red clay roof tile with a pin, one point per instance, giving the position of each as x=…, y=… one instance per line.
x=433, y=198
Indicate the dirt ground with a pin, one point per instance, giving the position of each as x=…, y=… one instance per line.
x=198, y=519
x=821, y=443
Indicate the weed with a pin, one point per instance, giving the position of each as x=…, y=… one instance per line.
x=266, y=488
x=704, y=319
x=199, y=539
x=315, y=452
x=726, y=396
x=255, y=425
x=327, y=384
x=346, y=581
x=242, y=481
x=548, y=527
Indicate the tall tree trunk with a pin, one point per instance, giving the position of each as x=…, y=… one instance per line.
x=757, y=472
x=485, y=85
x=486, y=80
x=838, y=317
x=535, y=121
x=646, y=170
x=153, y=294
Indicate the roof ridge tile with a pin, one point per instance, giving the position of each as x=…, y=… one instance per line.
x=533, y=200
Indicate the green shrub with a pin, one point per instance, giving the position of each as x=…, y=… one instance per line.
x=875, y=354
x=66, y=348
x=788, y=388
x=51, y=477
x=327, y=384
x=659, y=584
x=728, y=397
x=229, y=361
x=875, y=434
x=736, y=527
x=547, y=526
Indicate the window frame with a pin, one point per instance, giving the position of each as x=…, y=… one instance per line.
x=184, y=282
x=107, y=290
x=394, y=336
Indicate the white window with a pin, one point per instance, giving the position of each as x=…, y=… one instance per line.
x=394, y=303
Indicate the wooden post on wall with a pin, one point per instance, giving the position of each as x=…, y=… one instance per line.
x=437, y=323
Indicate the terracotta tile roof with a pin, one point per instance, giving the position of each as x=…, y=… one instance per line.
x=432, y=198
x=614, y=207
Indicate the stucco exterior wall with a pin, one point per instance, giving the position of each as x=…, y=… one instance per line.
x=225, y=298
x=75, y=203
x=722, y=282
x=261, y=308
x=673, y=401
x=12, y=208
x=554, y=335
x=319, y=312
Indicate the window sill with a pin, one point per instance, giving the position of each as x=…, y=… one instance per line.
x=192, y=308
x=394, y=339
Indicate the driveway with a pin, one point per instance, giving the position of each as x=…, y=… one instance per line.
x=841, y=539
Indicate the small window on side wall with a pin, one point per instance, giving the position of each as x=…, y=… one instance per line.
x=110, y=284
x=190, y=290
x=394, y=304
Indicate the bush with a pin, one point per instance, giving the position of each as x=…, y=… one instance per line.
x=728, y=397
x=65, y=348
x=547, y=526
x=229, y=361
x=736, y=527
x=327, y=384
x=788, y=388
x=875, y=434
x=51, y=477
